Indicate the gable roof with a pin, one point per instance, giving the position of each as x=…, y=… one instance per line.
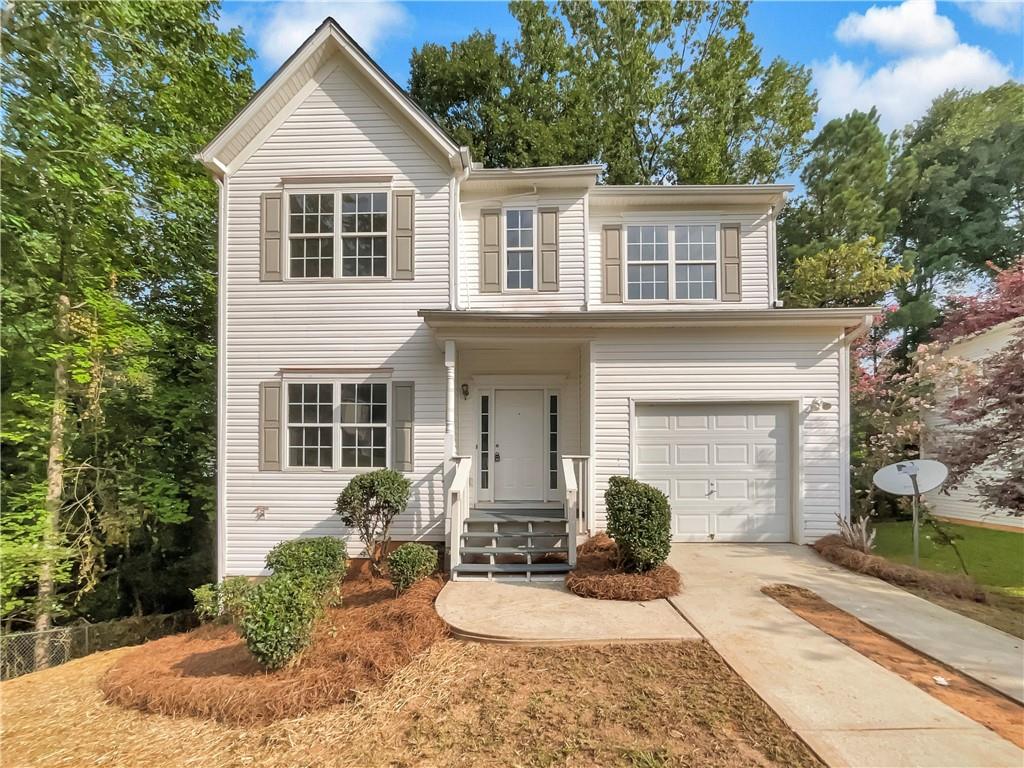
x=296, y=72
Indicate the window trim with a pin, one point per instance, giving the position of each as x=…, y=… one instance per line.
x=504, y=248
x=336, y=381
x=672, y=261
x=337, y=191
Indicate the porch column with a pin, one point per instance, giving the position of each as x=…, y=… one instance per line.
x=449, y=411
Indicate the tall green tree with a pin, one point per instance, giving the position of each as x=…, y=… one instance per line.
x=845, y=199
x=660, y=91
x=958, y=182
x=108, y=283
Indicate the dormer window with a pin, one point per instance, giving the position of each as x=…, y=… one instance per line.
x=669, y=263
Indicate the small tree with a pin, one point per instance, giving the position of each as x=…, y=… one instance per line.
x=368, y=504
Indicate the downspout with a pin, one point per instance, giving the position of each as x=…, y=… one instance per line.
x=845, y=432
x=221, y=178
x=586, y=251
x=455, y=227
x=773, y=273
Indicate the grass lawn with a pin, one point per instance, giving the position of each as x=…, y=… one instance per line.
x=994, y=558
x=457, y=704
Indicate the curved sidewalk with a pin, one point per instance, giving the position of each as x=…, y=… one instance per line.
x=546, y=613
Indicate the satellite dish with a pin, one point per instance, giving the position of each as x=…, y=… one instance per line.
x=912, y=478
x=909, y=478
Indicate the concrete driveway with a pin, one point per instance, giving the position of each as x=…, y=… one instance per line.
x=850, y=710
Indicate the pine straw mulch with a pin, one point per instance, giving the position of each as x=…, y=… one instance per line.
x=597, y=574
x=209, y=672
x=964, y=694
x=835, y=550
x=457, y=705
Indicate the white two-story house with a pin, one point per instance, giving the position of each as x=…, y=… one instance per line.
x=507, y=339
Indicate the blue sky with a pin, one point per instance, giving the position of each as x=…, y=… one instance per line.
x=896, y=56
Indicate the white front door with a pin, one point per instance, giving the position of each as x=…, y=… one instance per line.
x=519, y=445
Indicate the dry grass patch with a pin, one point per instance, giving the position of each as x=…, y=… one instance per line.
x=835, y=550
x=597, y=574
x=963, y=693
x=457, y=704
x=209, y=673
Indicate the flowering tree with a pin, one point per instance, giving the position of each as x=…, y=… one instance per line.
x=986, y=414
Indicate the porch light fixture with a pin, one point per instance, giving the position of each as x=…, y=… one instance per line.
x=465, y=391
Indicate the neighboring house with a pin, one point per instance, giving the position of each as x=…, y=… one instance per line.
x=962, y=504
x=508, y=339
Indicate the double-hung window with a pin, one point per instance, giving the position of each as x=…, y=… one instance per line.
x=669, y=263
x=321, y=246
x=520, y=249
x=337, y=424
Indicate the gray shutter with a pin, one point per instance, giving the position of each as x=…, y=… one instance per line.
x=403, y=204
x=548, y=249
x=270, y=426
x=270, y=236
x=403, y=412
x=611, y=264
x=490, y=251
x=731, y=290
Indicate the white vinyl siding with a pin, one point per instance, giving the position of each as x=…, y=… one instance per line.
x=755, y=259
x=726, y=366
x=571, y=243
x=345, y=324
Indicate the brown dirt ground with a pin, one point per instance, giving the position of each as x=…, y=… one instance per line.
x=964, y=694
x=457, y=704
x=598, y=575
x=210, y=673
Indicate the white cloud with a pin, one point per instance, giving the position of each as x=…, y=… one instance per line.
x=1004, y=15
x=912, y=26
x=903, y=89
x=276, y=29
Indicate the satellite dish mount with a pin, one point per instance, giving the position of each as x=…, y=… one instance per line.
x=912, y=478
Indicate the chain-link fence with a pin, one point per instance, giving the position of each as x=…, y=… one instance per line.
x=24, y=652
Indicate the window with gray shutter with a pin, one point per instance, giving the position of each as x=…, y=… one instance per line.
x=270, y=426
x=611, y=264
x=731, y=266
x=548, y=248
x=403, y=244
x=490, y=251
x=270, y=236
x=403, y=414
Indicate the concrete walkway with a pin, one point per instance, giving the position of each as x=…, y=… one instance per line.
x=848, y=709
x=546, y=613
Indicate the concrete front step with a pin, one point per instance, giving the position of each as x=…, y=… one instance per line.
x=517, y=568
x=511, y=550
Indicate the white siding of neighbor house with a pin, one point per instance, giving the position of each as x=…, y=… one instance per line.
x=755, y=257
x=963, y=503
x=339, y=128
x=733, y=365
x=569, y=295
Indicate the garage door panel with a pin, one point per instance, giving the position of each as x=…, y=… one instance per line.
x=741, y=450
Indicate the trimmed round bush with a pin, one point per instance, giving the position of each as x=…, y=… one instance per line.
x=368, y=505
x=409, y=563
x=324, y=558
x=279, y=618
x=640, y=521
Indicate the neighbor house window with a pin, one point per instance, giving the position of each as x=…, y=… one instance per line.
x=364, y=425
x=320, y=246
x=696, y=262
x=364, y=234
x=310, y=425
x=672, y=262
x=519, y=249
x=311, y=235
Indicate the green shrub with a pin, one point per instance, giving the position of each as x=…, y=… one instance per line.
x=207, y=600
x=368, y=504
x=324, y=558
x=279, y=618
x=225, y=600
x=640, y=521
x=410, y=563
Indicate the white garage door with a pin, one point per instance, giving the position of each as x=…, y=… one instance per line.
x=725, y=468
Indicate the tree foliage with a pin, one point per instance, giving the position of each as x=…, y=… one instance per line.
x=108, y=230
x=659, y=91
x=369, y=503
x=848, y=275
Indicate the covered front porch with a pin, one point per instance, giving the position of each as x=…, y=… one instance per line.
x=518, y=437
